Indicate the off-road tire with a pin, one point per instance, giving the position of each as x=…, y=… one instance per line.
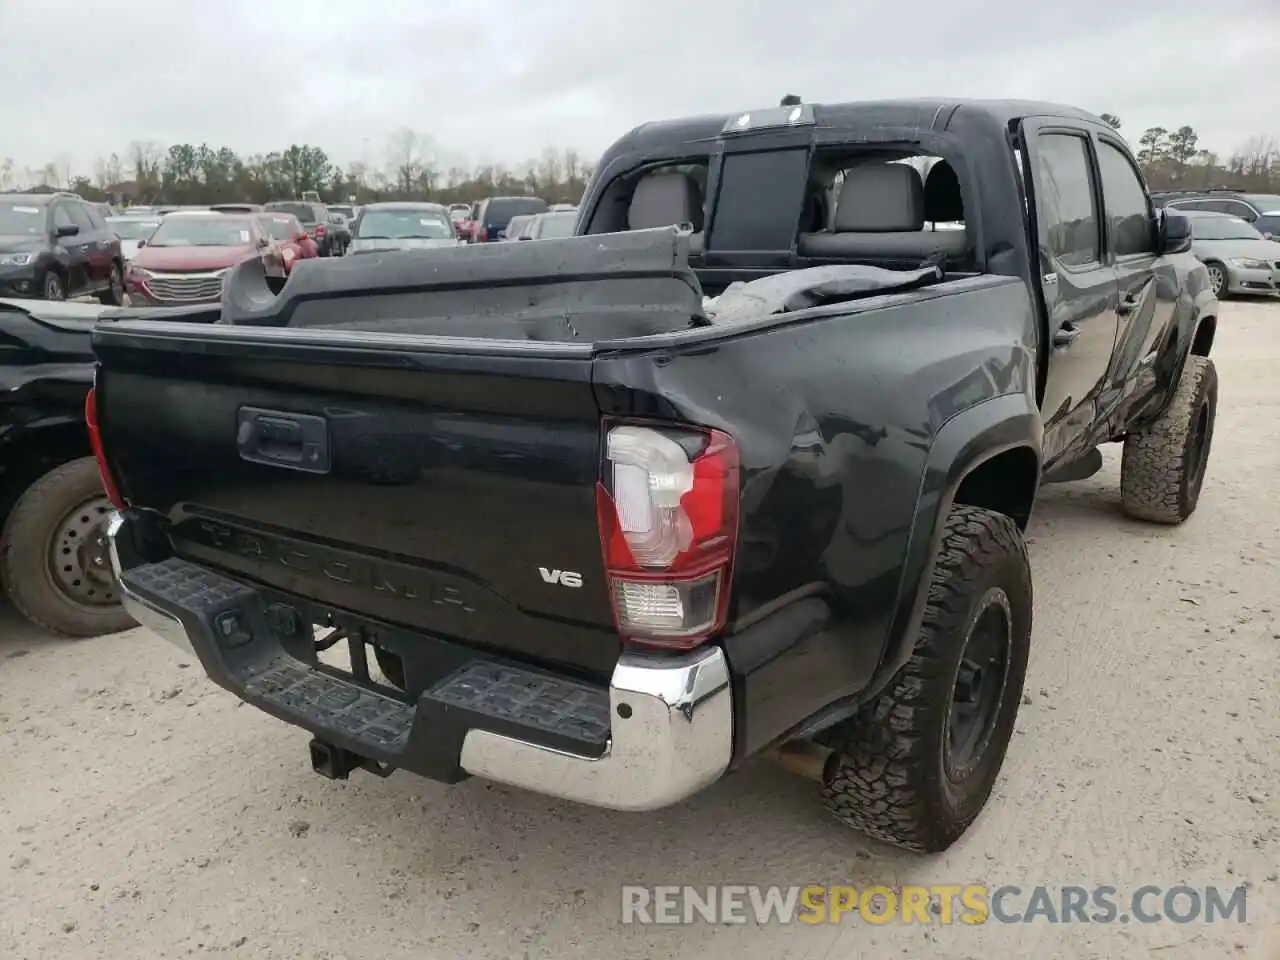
x=888, y=778
x=1163, y=466
x=24, y=548
x=113, y=296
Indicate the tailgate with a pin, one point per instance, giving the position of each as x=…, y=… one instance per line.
x=448, y=490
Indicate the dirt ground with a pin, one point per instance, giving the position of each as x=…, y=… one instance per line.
x=146, y=813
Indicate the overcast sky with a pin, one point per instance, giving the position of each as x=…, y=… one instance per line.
x=501, y=79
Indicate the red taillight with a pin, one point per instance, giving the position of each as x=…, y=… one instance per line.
x=320, y=230
x=667, y=504
x=95, y=441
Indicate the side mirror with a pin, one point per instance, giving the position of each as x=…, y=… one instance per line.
x=1175, y=233
x=70, y=230
x=141, y=244
x=263, y=242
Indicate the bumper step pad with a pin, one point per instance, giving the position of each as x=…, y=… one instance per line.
x=329, y=703
x=572, y=710
x=227, y=626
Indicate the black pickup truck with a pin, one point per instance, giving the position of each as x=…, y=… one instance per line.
x=742, y=469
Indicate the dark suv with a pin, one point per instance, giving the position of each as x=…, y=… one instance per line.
x=494, y=213
x=314, y=218
x=1260, y=209
x=55, y=246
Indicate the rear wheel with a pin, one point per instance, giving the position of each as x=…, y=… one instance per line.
x=916, y=765
x=53, y=554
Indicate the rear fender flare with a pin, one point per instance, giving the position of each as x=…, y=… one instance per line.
x=963, y=444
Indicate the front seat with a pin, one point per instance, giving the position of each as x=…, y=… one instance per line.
x=667, y=199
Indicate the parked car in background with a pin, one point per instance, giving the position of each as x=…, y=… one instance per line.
x=55, y=246
x=130, y=230
x=494, y=213
x=1239, y=258
x=314, y=218
x=460, y=217
x=186, y=258
x=402, y=225
x=235, y=207
x=515, y=226
x=105, y=210
x=339, y=234
x=294, y=242
x=562, y=208
x=549, y=226
x=348, y=210
x=1260, y=209
x=140, y=211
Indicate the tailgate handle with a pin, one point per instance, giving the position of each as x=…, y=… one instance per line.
x=295, y=441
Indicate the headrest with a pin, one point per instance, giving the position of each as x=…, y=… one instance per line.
x=880, y=198
x=942, y=200
x=664, y=200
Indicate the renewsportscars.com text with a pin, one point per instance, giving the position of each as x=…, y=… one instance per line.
x=937, y=904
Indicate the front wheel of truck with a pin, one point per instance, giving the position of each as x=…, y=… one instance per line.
x=916, y=765
x=1163, y=467
x=53, y=554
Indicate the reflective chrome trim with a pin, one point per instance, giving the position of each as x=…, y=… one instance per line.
x=672, y=735
x=157, y=621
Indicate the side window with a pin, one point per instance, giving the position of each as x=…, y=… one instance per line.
x=1066, y=199
x=1238, y=208
x=1128, y=214
x=61, y=218
x=95, y=218
x=80, y=217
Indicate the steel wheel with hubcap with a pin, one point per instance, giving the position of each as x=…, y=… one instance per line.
x=54, y=557
x=77, y=557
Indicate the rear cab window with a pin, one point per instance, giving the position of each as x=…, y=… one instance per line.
x=759, y=201
x=770, y=199
x=305, y=212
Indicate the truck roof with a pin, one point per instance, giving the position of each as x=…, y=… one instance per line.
x=925, y=113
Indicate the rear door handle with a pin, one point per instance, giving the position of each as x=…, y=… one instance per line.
x=275, y=438
x=1066, y=335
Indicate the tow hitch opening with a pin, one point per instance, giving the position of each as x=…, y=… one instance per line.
x=337, y=763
